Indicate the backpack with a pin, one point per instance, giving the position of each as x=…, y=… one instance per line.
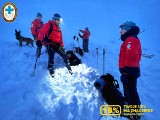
x=73, y=59
x=79, y=51
x=108, y=87
x=46, y=40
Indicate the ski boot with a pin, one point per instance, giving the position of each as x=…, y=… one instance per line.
x=68, y=67
x=51, y=72
x=70, y=71
x=52, y=75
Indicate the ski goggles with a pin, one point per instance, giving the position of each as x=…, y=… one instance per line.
x=58, y=19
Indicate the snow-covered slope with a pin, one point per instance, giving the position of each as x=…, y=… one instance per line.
x=24, y=96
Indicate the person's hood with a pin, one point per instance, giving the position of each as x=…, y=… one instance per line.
x=134, y=31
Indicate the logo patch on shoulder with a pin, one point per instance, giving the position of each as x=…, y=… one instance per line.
x=129, y=45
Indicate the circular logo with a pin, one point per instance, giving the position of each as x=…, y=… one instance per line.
x=9, y=12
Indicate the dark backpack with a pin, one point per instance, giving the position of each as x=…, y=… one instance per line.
x=79, y=51
x=73, y=59
x=46, y=40
x=109, y=90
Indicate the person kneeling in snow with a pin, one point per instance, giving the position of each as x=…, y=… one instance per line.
x=54, y=42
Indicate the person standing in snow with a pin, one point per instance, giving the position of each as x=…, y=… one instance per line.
x=85, y=37
x=54, y=42
x=36, y=25
x=129, y=59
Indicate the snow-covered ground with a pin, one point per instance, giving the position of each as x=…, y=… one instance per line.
x=24, y=97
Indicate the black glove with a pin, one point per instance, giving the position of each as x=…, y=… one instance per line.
x=74, y=37
x=39, y=44
x=38, y=52
x=61, y=48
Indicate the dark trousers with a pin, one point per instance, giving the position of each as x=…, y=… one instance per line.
x=51, y=49
x=85, y=45
x=130, y=89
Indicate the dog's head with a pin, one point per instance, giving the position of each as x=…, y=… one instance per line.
x=18, y=34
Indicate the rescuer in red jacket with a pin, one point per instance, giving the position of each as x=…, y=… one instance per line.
x=129, y=58
x=36, y=25
x=85, y=38
x=54, y=42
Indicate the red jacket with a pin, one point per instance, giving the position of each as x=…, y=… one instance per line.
x=86, y=34
x=36, y=26
x=130, y=53
x=55, y=36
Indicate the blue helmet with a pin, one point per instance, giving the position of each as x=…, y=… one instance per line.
x=127, y=25
x=39, y=14
x=56, y=16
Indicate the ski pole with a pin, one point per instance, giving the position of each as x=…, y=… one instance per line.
x=73, y=46
x=76, y=39
x=97, y=57
x=35, y=65
x=103, y=61
x=78, y=44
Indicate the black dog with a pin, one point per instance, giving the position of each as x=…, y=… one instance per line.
x=73, y=59
x=23, y=39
